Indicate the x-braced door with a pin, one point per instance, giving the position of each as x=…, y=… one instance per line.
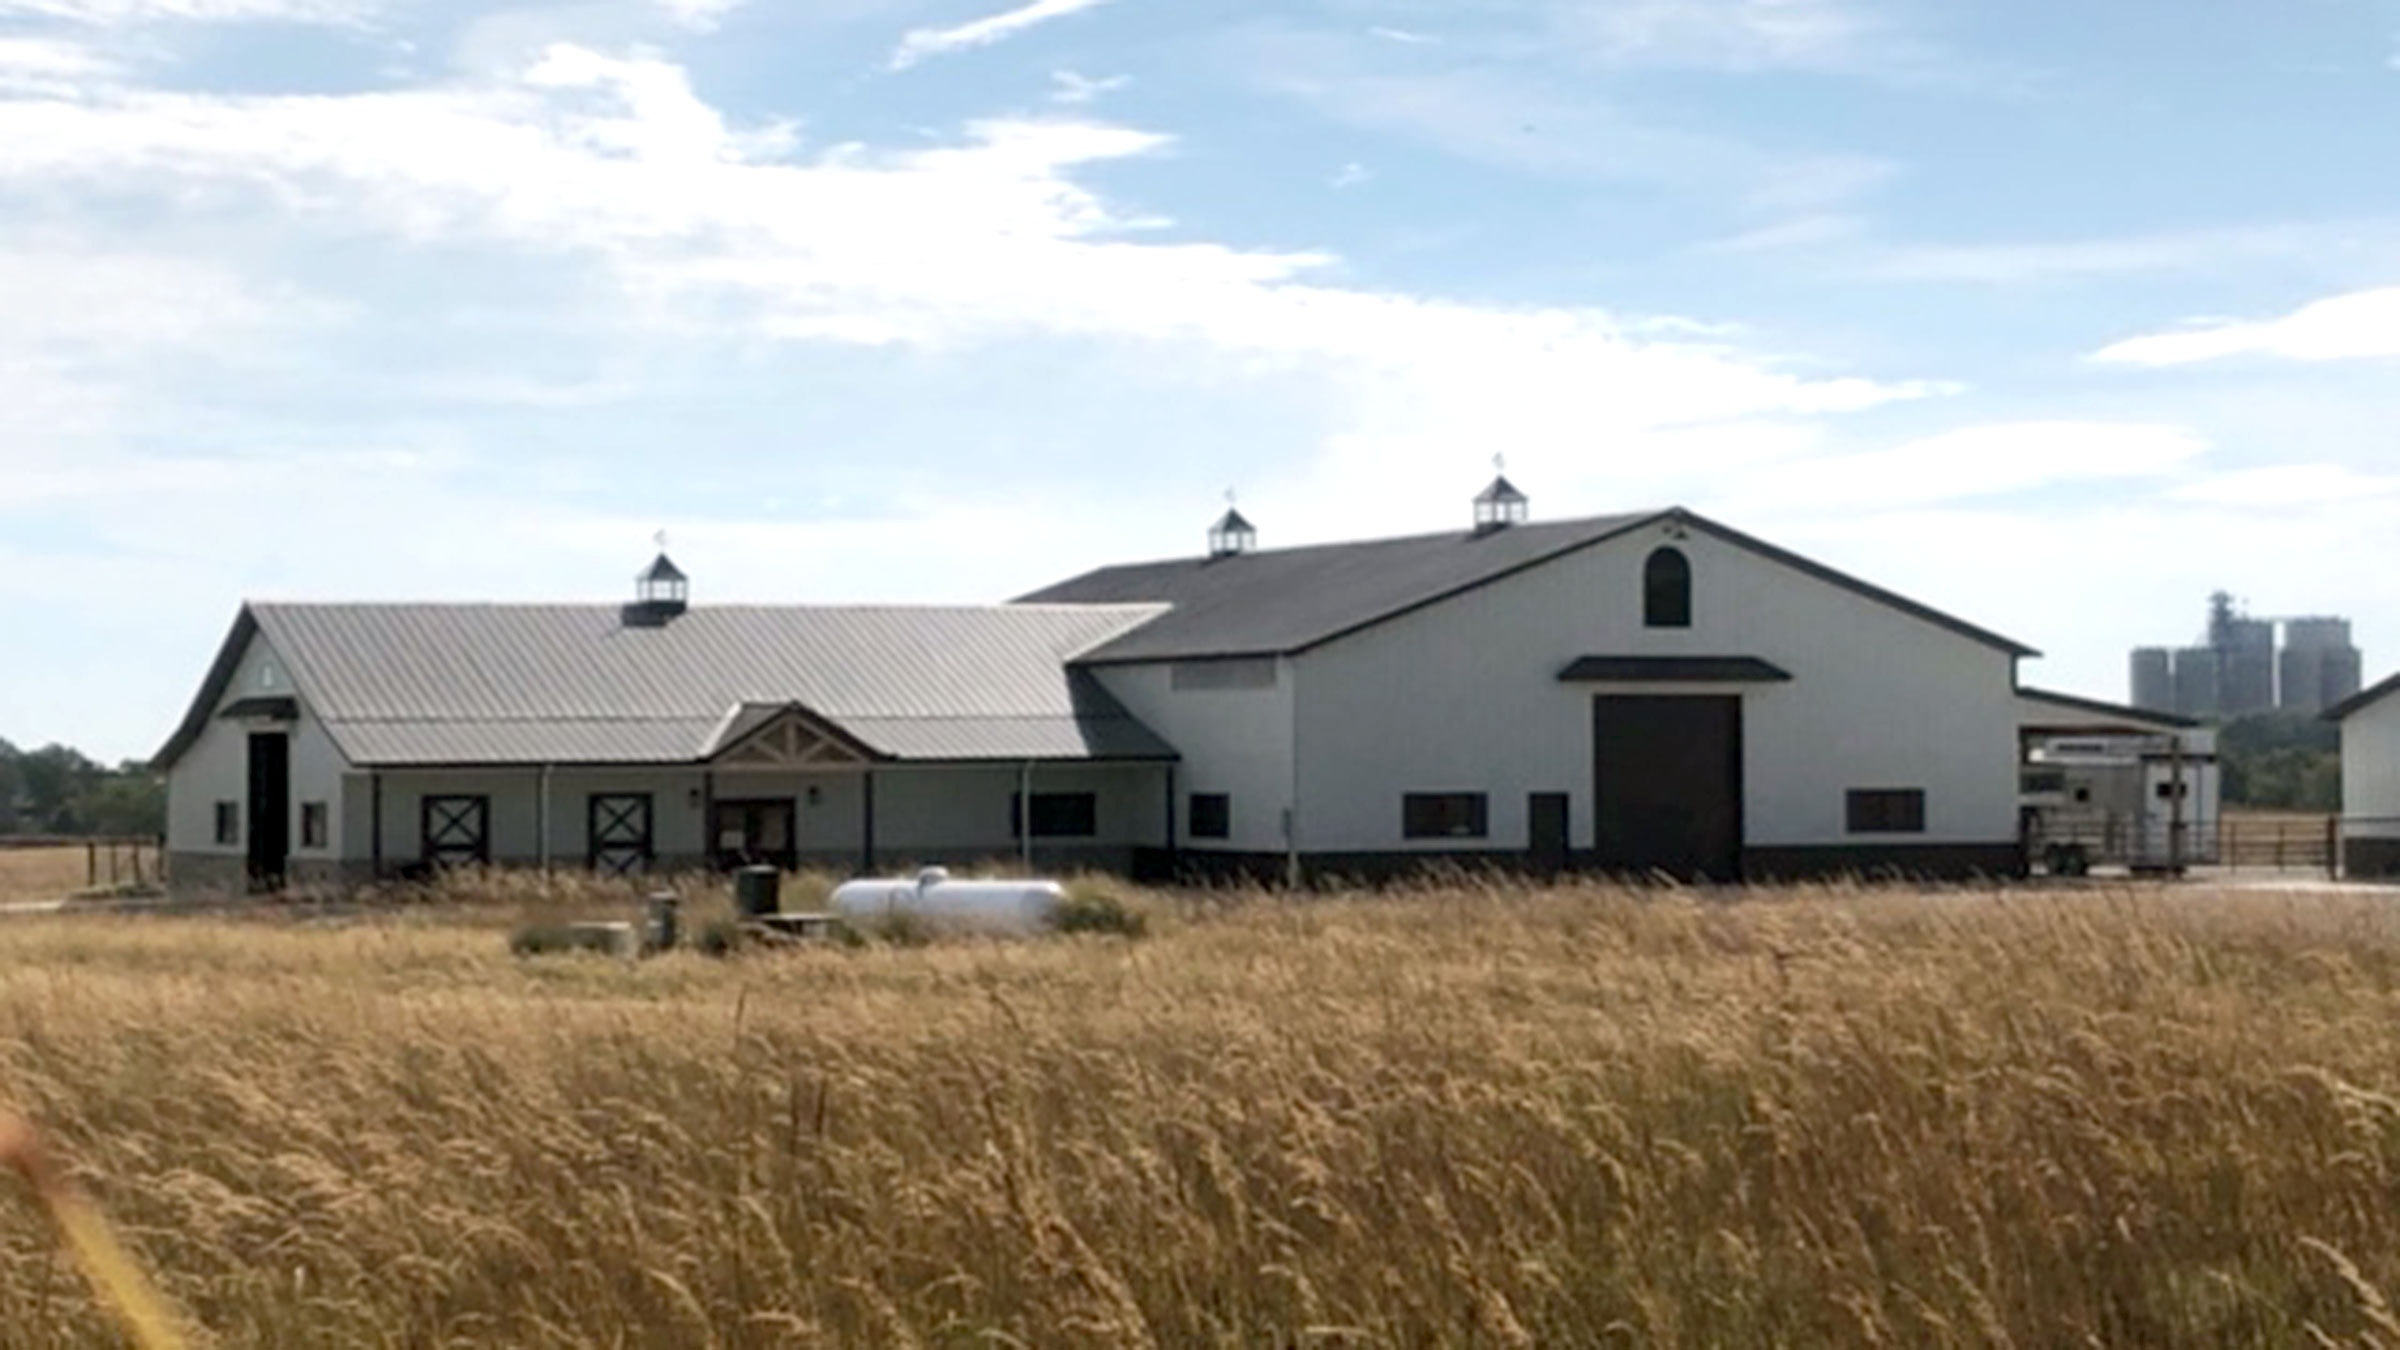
x=621, y=838
x=458, y=831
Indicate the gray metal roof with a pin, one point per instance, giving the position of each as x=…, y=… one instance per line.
x=1286, y=600
x=573, y=684
x=1280, y=601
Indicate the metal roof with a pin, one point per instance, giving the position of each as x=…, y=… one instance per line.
x=1282, y=601
x=2092, y=709
x=574, y=684
x=1285, y=600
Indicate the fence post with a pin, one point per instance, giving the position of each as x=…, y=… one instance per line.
x=2333, y=848
x=91, y=863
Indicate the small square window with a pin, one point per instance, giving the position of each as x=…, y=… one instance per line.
x=312, y=824
x=1212, y=815
x=1887, y=811
x=1444, y=815
x=229, y=822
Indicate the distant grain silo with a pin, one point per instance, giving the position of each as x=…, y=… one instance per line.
x=2199, y=682
x=2320, y=667
x=2153, y=679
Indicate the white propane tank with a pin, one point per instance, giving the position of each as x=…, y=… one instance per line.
x=997, y=908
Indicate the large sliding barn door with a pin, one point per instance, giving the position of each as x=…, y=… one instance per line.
x=1667, y=780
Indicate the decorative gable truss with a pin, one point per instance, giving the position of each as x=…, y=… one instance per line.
x=789, y=737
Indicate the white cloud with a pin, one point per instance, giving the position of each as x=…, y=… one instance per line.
x=988, y=237
x=52, y=67
x=1074, y=90
x=1350, y=175
x=1801, y=232
x=2200, y=250
x=1406, y=37
x=2360, y=326
x=921, y=43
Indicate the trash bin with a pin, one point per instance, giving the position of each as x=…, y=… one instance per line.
x=757, y=892
x=664, y=930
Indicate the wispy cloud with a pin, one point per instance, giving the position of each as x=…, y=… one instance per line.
x=2017, y=263
x=52, y=67
x=112, y=13
x=1074, y=90
x=701, y=16
x=919, y=44
x=2287, y=485
x=1353, y=174
x=2360, y=326
x=1406, y=37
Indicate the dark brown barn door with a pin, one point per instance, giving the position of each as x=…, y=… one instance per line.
x=1667, y=774
x=621, y=834
x=457, y=831
x=270, y=809
x=1546, y=843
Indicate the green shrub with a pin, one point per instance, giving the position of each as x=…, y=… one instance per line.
x=1093, y=908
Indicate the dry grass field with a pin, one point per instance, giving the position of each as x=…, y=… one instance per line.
x=40, y=873
x=1466, y=1117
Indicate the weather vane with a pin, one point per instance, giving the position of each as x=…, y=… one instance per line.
x=660, y=539
x=1499, y=464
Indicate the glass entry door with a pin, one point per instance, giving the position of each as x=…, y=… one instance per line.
x=746, y=833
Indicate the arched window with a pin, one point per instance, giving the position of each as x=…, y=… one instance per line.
x=1667, y=590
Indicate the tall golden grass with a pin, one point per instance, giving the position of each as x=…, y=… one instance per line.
x=1470, y=1116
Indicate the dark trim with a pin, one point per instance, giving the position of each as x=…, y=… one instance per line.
x=2370, y=859
x=375, y=823
x=272, y=708
x=2362, y=700
x=1883, y=862
x=503, y=765
x=2121, y=711
x=1673, y=670
x=866, y=823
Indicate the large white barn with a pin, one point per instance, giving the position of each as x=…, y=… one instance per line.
x=1648, y=692
x=2370, y=725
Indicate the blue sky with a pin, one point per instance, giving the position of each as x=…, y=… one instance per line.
x=2054, y=315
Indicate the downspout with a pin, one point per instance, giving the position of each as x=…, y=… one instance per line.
x=545, y=822
x=1025, y=816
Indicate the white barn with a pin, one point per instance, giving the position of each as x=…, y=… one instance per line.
x=2370, y=828
x=1649, y=692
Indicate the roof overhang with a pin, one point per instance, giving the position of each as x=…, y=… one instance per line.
x=1673, y=670
x=785, y=736
x=2363, y=700
x=2046, y=712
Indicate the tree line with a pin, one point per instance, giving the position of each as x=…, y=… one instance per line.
x=59, y=790
x=2281, y=762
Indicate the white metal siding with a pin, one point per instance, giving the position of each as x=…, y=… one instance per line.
x=217, y=768
x=1233, y=741
x=2371, y=771
x=1464, y=696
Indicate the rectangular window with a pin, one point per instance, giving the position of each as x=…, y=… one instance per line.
x=1887, y=811
x=229, y=822
x=1212, y=815
x=1444, y=815
x=2168, y=792
x=1240, y=673
x=312, y=824
x=1056, y=815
